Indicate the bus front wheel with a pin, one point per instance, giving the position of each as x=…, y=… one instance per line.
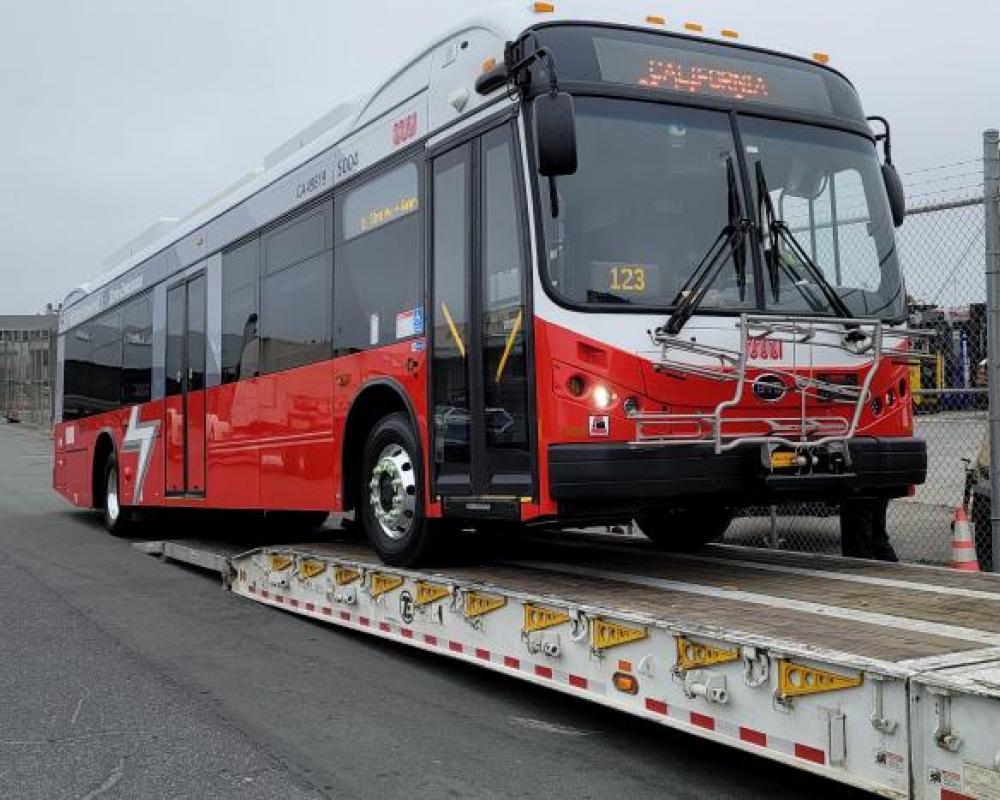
x=392, y=496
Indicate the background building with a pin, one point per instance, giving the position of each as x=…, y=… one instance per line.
x=27, y=367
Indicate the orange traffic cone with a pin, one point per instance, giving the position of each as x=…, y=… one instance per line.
x=963, y=548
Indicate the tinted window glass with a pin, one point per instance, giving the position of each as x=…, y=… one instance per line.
x=649, y=199
x=296, y=291
x=106, y=357
x=503, y=342
x=196, y=334
x=76, y=372
x=450, y=314
x=239, y=311
x=827, y=186
x=377, y=289
x=175, y=341
x=137, y=351
x=295, y=315
x=380, y=201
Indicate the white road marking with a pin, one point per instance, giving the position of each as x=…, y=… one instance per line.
x=548, y=727
x=76, y=712
x=109, y=782
x=805, y=606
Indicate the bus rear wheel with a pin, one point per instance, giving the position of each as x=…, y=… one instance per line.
x=117, y=518
x=682, y=530
x=392, y=496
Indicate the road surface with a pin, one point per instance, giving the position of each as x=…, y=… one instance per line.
x=124, y=677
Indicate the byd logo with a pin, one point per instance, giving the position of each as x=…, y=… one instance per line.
x=764, y=349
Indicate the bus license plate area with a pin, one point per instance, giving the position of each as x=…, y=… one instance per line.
x=784, y=459
x=826, y=460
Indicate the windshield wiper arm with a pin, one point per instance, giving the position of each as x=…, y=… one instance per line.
x=729, y=241
x=773, y=231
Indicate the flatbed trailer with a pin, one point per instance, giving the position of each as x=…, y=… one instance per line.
x=881, y=676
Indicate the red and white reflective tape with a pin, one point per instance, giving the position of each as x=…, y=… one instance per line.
x=738, y=732
x=443, y=643
x=657, y=707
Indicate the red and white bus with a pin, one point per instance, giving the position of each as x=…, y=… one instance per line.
x=556, y=269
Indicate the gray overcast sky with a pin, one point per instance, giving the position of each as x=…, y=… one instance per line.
x=114, y=113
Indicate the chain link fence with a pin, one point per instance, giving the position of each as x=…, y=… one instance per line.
x=942, y=248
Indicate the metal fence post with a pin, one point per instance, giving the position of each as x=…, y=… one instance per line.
x=991, y=209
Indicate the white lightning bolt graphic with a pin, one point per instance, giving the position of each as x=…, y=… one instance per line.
x=139, y=436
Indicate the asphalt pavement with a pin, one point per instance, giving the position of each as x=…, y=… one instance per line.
x=125, y=677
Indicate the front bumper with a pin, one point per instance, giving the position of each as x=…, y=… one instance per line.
x=614, y=474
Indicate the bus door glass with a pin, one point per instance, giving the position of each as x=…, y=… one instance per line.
x=184, y=407
x=480, y=435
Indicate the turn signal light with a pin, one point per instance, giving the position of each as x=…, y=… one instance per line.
x=626, y=683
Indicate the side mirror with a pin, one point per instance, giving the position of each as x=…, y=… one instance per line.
x=894, y=188
x=555, y=134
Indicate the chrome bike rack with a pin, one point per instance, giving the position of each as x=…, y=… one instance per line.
x=862, y=340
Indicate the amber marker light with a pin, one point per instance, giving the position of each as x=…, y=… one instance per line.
x=655, y=19
x=489, y=64
x=626, y=683
x=697, y=27
x=822, y=58
x=543, y=8
x=729, y=33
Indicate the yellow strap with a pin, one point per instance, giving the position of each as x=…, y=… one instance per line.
x=453, y=328
x=510, y=344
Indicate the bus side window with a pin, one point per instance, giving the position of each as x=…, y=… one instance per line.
x=377, y=280
x=295, y=290
x=240, y=266
x=137, y=351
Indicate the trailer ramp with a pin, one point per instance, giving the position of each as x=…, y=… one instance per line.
x=885, y=677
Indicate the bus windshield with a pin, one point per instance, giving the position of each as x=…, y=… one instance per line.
x=651, y=196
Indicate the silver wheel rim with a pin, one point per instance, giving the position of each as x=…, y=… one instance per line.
x=393, y=492
x=111, y=498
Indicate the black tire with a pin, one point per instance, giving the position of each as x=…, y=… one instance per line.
x=390, y=469
x=863, y=532
x=980, y=516
x=117, y=518
x=682, y=530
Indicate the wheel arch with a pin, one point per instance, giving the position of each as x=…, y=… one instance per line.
x=104, y=445
x=377, y=399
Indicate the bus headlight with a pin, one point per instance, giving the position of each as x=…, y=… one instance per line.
x=602, y=396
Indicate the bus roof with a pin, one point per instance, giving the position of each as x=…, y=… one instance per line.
x=479, y=38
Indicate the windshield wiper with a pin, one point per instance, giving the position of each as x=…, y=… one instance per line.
x=773, y=232
x=731, y=238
